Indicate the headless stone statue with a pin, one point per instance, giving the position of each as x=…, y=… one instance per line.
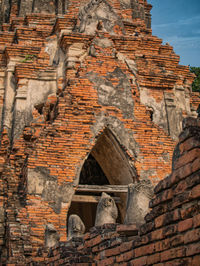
x=138, y=199
x=76, y=227
x=51, y=236
x=107, y=211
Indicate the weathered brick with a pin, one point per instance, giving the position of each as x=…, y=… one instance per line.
x=144, y=250
x=192, y=236
x=195, y=165
x=173, y=253
x=182, y=186
x=178, y=262
x=87, y=236
x=131, y=229
x=163, y=184
x=112, y=252
x=108, y=261
x=167, y=218
x=156, y=235
x=128, y=255
x=139, y=261
x=143, y=240
x=185, y=225
x=187, y=158
x=184, y=171
x=190, y=210
x=156, y=211
x=152, y=259
x=176, y=240
x=169, y=230
x=189, y=144
x=193, y=179
x=196, y=220
x=159, y=246
x=145, y=228
x=196, y=192
x=161, y=197
x=120, y=258
x=181, y=198
x=195, y=260
x=126, y=246
x=193, y=249
x=94, y=241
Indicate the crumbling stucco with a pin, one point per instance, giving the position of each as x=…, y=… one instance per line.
x=125, y=136
x=110, y=94
x=168, y=111
x=40, y=182
x=75, y=53
x=35, y=93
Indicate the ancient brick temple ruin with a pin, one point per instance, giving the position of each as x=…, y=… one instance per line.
x=90, y=102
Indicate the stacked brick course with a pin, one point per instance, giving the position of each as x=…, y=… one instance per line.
x=64, y=82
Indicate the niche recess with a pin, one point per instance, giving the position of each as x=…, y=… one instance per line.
x=106, y=169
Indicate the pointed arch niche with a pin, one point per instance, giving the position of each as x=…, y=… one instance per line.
x=106, y=169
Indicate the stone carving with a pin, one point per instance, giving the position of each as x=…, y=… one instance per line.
x=138, y=199
x=76, y=227
x=94, y=12
x=107, y=211
x=51, y=236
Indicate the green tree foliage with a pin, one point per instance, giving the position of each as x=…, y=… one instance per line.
x=196, y=82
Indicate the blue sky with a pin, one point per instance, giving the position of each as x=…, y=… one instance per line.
x=178, y=23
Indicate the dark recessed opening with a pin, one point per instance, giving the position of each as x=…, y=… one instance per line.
x=151, y=115
x=91, y=174
x=39, y=108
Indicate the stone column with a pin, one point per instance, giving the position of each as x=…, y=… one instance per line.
x=9, y=97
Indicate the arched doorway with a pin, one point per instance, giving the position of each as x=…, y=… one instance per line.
x=107, y=169
x=84, y=202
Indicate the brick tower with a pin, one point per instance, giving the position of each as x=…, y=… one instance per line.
x=88, y=97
